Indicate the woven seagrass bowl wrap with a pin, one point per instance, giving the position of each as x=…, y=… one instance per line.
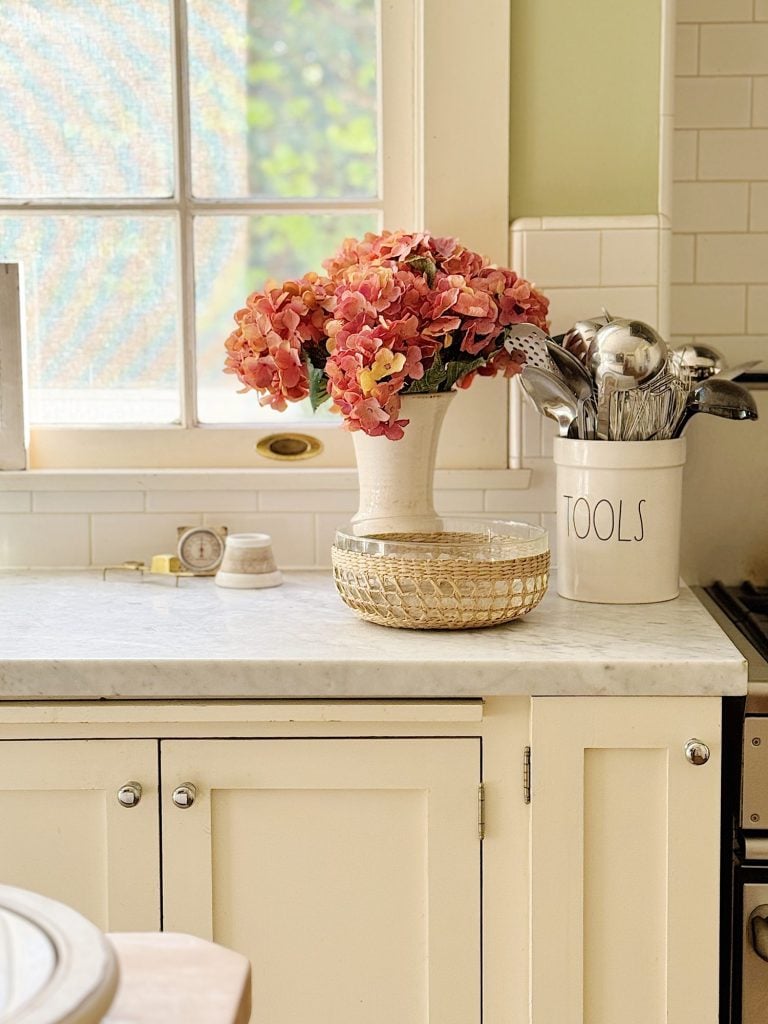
x=466, y=575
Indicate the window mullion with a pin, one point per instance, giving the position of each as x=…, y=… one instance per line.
x=186, y=267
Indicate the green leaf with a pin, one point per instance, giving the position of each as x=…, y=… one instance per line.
x=432, y=380
x=456, y=370
x=318, y=390
x=423, y=265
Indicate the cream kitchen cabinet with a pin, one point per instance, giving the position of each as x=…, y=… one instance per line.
x=625, y=860
x=336, y=844
x=347, y=870
x=64, y=834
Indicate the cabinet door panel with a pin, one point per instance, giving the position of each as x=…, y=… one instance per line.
x=624, y=866
x=65, y=835
x=348, y=871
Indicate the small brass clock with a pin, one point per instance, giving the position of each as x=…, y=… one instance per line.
x=201, y=549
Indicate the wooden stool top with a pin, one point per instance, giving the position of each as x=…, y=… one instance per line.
x=167, y=978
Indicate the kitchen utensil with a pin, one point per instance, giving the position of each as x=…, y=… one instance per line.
x=532, y=342
x=627, y=347
x=732, y=372
x=717, y=397
x=609, y=384
x=578, y=339
x=648, y=412
x=551, y=396
x=577, y=377
x=695, y=363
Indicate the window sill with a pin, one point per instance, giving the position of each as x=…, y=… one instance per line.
x=287, y=478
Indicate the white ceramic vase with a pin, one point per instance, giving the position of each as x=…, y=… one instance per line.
x=397, y=477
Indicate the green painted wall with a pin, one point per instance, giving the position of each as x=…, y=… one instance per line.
x=585, y=107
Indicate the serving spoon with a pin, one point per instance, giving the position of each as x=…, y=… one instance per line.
x=577, y=377
x=551, y=396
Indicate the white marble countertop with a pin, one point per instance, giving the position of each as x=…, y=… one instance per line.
x=70, y=635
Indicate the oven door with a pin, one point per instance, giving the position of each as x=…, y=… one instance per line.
x=753, y=945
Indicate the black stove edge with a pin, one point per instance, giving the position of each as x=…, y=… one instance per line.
x=758, y=666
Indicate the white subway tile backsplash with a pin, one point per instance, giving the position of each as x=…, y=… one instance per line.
x=51, y=541
x=683, y=247
x=119, y=538
x=539, y=497
x=630, y=258
x=549, y=522
x=292, y=533
x=687, y=50
x=708, y=309
x=531, y=431
x=665, y=278
x=202, y=501
x=603, y=223
x=734, y=154
x=326, y=525
x=760, y=102
x=720, y=266
x=757, y=309
x=732, y=258
x=738, y=348
x=15, y=501
x=710, y=206
x=733, y=49
x=562, y=257
x=309, y=501
x=548, y=432
x=570, y=304
x=685, y=155
x=758, y=206
x=459, y=502
x=714, y=10
x=720, y=102
x=87, y=501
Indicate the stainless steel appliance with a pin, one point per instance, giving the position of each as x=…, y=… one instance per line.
x=742, y=611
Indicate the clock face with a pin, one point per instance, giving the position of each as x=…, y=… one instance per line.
x=200, y=549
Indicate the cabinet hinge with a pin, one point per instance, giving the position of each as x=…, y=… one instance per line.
x=526, y=775
x=481, y=811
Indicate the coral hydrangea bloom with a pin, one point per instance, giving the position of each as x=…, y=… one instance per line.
x=395, y=313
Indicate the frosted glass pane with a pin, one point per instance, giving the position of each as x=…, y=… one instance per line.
x=284, y=98
x=235, y=255
x=86, y=99
x=101, y=307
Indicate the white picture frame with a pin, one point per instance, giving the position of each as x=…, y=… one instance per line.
x=14, y=440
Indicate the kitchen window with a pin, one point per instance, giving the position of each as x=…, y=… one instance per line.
x=161, y=160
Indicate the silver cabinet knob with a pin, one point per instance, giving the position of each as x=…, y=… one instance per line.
x=696, y=751
x=129, y=794
x=184, y=795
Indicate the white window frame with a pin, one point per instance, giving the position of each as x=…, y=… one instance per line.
x=444, y=84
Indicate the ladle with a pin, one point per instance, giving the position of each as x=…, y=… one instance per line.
x=717, y=397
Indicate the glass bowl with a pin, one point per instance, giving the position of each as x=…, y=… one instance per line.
x=458, y=573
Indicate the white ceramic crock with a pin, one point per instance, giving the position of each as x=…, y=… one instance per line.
x=618, y=519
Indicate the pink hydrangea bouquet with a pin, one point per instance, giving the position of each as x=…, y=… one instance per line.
x=397, y=314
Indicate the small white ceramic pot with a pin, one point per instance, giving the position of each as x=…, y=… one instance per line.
x=248, y=563
x=618, y=519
